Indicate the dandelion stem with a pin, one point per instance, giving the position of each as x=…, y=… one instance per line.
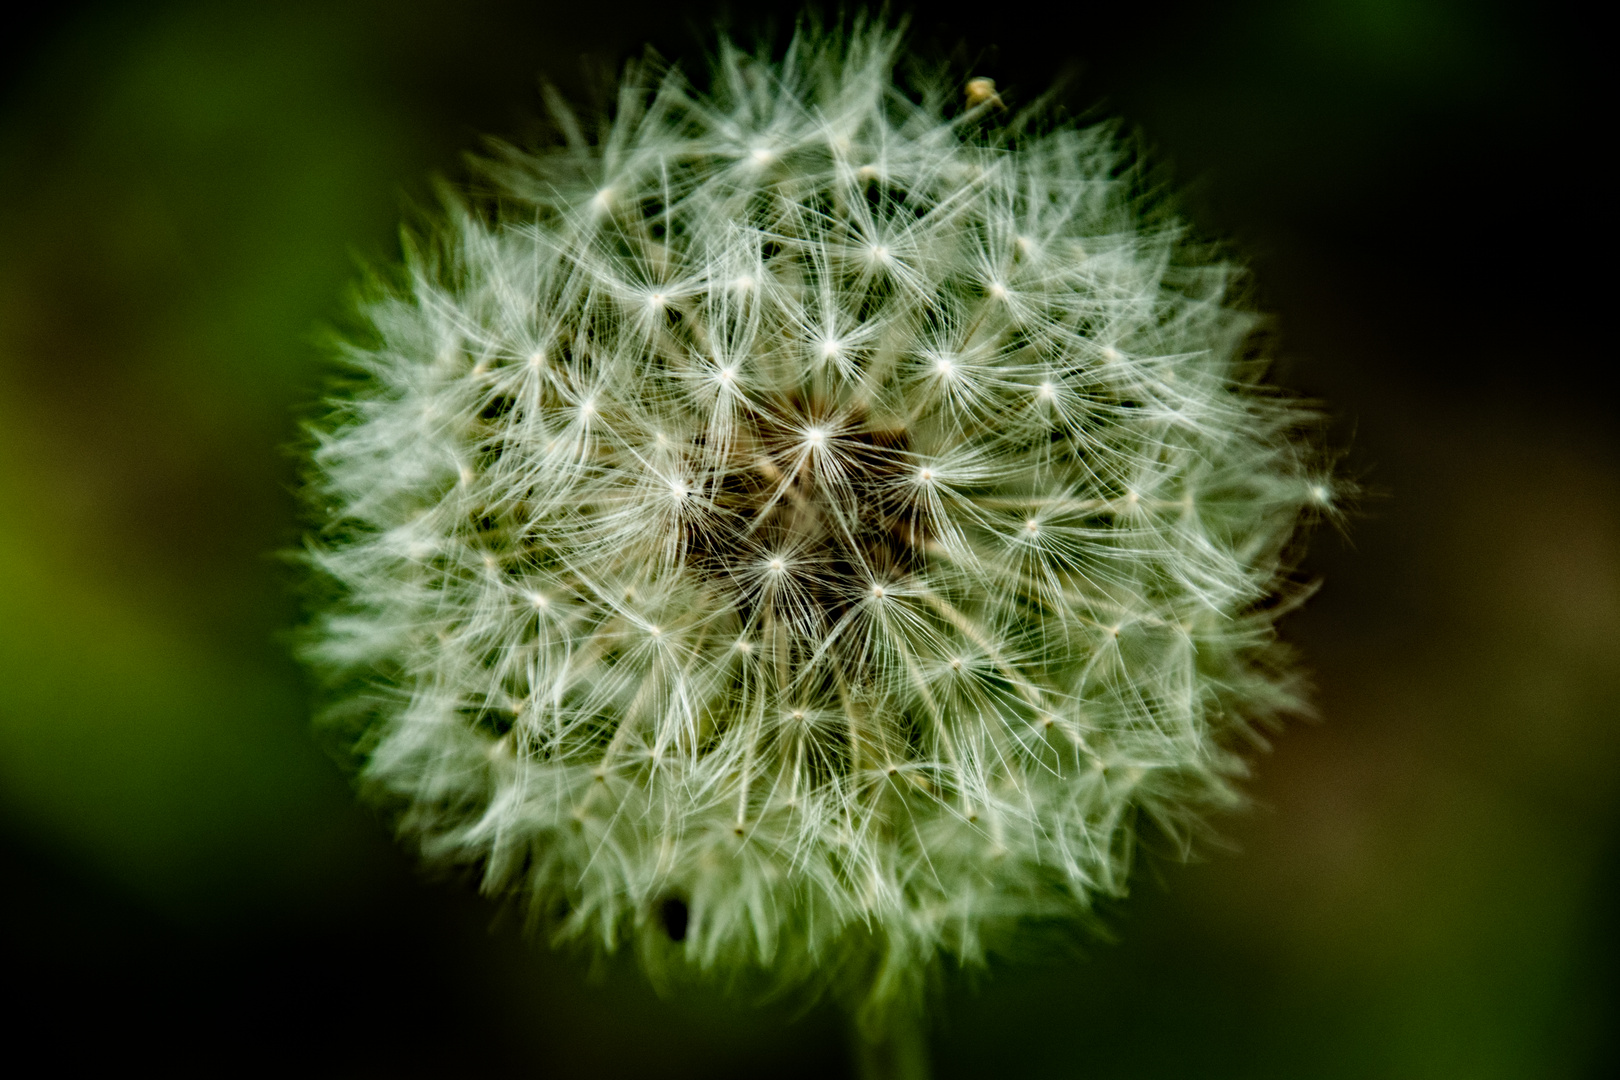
x=896, y=1050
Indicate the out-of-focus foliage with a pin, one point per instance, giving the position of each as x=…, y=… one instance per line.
x=1426, y=890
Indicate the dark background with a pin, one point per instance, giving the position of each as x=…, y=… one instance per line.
x=1427, y=884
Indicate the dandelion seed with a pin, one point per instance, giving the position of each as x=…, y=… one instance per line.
x=982, y=91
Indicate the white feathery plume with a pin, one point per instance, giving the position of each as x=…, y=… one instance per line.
x=802, y=531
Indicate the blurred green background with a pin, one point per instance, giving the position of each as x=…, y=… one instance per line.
x=1427, y=884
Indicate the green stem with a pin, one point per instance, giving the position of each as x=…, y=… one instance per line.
x=896, y=1050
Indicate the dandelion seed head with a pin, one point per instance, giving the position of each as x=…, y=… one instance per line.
x=891, y=513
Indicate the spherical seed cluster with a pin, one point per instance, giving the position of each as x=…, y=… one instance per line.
x=802, y=526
